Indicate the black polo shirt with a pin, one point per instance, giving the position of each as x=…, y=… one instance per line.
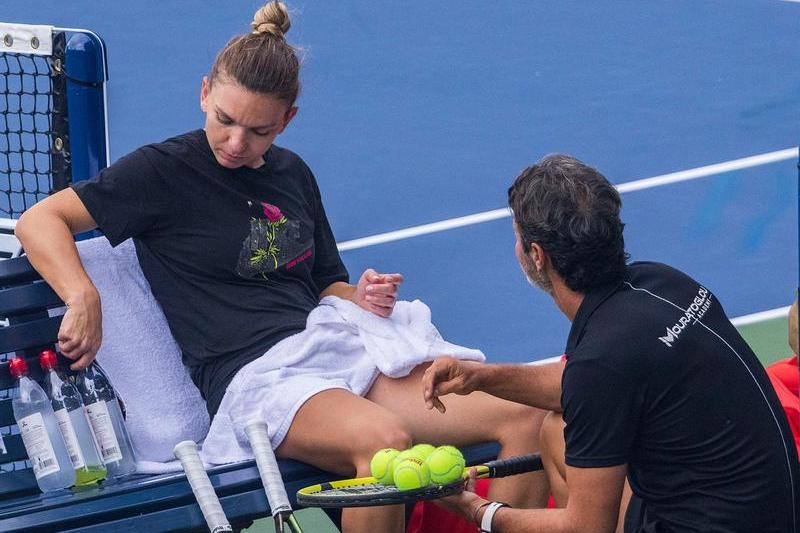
x=659, y=379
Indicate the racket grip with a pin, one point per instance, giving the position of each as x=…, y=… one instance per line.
x=515, y=465
x=186, y=452
x=258, y=435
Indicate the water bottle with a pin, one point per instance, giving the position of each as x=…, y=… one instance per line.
x=39, y=429
x=68, y=406
x=105, y=417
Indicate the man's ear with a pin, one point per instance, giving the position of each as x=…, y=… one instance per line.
x=538, y=255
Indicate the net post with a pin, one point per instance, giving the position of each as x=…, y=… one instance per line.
x=86, y=77
x=60, y=160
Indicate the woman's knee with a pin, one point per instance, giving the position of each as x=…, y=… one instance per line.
x=378, y=435
x=552, y=432
x=520, y=422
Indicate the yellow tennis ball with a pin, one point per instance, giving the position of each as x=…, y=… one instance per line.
x=411, y=473
x=445, y=464
x=424, y=450
x=382, y=465
x=410, y=453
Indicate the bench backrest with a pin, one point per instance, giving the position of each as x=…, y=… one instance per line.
x=32, y=314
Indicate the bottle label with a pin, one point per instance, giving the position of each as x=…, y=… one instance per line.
x=38, y=445
x=70, y=439
x=104, y=431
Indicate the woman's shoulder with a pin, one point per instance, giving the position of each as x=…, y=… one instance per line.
x=287, y=163
x=280, y=157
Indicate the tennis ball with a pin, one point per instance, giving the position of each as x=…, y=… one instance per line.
x=410, y=453
x=424, y=450
x=382, y=465
x=411, y=473
x=445, y=464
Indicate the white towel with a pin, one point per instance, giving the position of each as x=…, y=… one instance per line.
x=343, y=346
x=141, y=357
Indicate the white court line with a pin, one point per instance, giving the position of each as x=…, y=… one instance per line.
x=637, y=185
x=743, y=320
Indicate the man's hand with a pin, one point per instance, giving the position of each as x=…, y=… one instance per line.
x=447, y=375
x=467, y=504
x=377, y=293
x=81, y=331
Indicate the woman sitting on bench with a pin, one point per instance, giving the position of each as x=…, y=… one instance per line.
x=232, y=236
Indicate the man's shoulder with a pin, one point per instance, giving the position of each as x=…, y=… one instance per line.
x=625, y=323
x=655, y=272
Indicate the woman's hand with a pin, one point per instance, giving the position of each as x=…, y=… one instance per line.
x=376, y=292
x=81, y=331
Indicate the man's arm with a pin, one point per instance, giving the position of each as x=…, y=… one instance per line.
x=534, y=385
x=46, y=233
x=593, y=506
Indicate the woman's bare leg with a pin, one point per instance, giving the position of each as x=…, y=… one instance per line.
x=553, y=457
x=338, y=431
x=552, y=440
x=470, y=419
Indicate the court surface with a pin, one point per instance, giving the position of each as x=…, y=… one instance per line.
x=416, y=113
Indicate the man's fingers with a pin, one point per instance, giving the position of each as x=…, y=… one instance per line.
x=439, y=405
x=473, y=476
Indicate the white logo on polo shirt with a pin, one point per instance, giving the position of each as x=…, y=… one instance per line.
x=693, y=313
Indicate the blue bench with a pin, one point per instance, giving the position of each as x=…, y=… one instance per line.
x=138, y=503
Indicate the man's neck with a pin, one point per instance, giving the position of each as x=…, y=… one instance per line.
x=566, y=299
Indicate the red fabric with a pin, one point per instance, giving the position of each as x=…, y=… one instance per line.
x=428, y=517
x=785, y=378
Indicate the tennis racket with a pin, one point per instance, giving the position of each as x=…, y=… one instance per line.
x=271, y=478
x=367, y=492
x=186, y=452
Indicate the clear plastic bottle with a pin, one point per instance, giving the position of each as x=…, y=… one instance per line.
x=105, y=417
x=39, y=429
x=72, y=422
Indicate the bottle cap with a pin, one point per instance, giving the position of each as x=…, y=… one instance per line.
x=48, y=359
x=17, y=367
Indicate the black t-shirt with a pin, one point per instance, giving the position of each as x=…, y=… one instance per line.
x=659, y=379
x=236, y=258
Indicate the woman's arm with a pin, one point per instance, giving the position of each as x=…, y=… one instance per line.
x=46, y=232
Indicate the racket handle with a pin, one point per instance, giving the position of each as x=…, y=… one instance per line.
x=514, y=465
x=258, y=436
x=186, y=452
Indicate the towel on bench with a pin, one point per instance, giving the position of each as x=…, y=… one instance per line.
x=140, y=356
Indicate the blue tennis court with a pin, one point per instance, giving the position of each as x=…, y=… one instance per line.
x=418, y=113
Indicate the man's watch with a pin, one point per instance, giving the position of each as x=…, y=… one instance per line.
x=488, y=515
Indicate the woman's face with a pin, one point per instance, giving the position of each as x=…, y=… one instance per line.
x=241, y=125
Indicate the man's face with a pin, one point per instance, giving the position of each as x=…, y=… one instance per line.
x=536, y=277
x=241, y=125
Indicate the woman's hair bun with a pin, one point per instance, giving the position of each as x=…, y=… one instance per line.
x=272, y=19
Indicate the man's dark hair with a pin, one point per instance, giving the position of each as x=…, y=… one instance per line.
x=572, y=212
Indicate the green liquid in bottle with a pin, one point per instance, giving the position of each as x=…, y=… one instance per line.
x=89, y=475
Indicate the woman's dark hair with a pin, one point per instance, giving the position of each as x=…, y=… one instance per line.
x=572, y=212
x=262, y=61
